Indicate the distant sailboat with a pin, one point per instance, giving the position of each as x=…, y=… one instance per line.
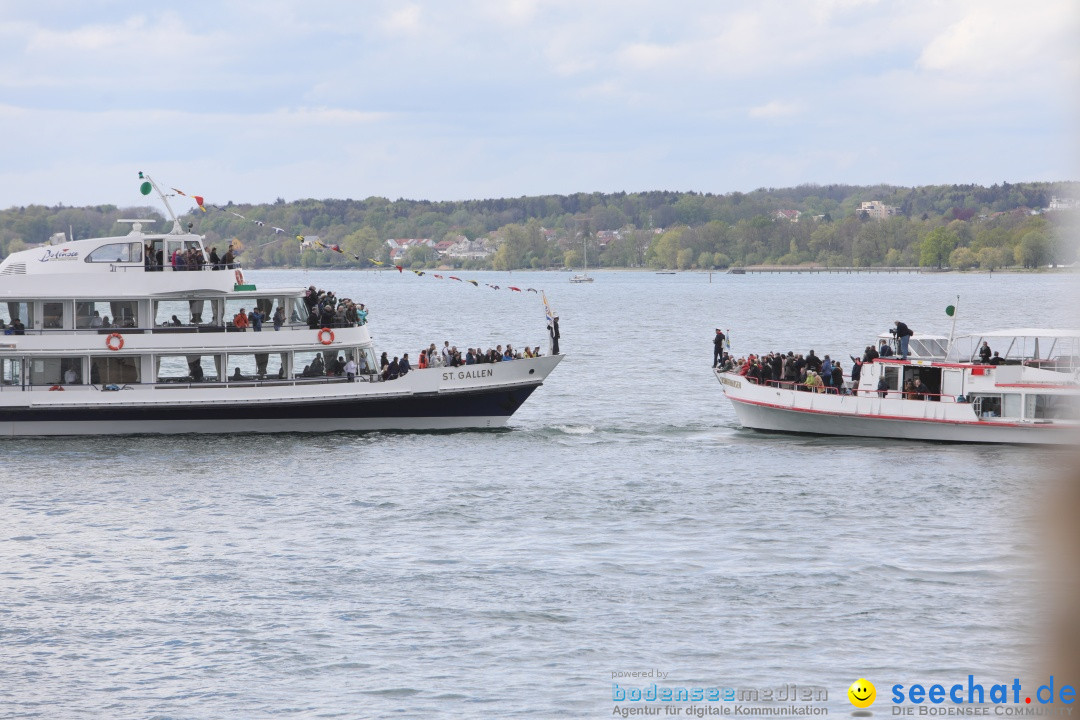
x=583, y=277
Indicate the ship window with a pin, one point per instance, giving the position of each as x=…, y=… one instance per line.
x=365, y=361
x=300, y=311
x=187, y=368
x=233, y=306
x=114, y=370
x=106, y=313
x=988, y=406
x=17, y=310
x=11, y=371
x=255, y=366
x=315, y=364
x=928, y=347
x=116, y=252
x=1052, y=407
x=52, y=315
x=52, y=371
x=994, y=406
x=200, y=311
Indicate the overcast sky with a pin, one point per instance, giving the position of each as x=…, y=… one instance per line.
x=254, y=100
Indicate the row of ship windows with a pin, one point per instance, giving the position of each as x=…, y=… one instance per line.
x=89, y=314
x=133, y=251
x=1036, y=406
x=172, y=369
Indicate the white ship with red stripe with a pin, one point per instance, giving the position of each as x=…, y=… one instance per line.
x=1033, y=396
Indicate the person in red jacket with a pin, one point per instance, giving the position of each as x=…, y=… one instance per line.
x=240, y=320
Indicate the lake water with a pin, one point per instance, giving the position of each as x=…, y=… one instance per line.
x=623, y=522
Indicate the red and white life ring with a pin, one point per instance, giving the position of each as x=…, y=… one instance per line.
x=239, y=277
x=118, y=345
x=323, y=338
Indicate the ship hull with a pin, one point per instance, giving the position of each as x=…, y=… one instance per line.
x=422, y=400
x=776, y=409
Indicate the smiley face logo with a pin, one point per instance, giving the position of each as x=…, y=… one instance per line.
x=862, y=693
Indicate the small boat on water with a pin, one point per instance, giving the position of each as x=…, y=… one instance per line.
x=116, y=335
x=1028, y=394
x=583, y=276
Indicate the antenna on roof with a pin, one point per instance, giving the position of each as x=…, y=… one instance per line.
x=149, y=185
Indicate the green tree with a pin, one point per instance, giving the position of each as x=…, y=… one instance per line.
x=963, y=258
x=992, y=258
x=1033, y=250
x=664, y=252
x=937, y=246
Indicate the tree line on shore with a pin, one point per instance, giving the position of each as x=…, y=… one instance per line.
x=957, y=226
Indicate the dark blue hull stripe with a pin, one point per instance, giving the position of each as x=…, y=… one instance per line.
x=485, y=403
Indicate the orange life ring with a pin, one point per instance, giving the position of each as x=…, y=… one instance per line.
x=119, y=345
x=239, y=277
x=326, y=340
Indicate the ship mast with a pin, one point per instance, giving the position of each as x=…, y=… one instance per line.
x=148, y=184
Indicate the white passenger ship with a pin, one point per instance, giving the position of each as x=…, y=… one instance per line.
x=170, y=359
x=1031, y=396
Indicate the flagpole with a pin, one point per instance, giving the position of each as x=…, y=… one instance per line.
x=952, y=332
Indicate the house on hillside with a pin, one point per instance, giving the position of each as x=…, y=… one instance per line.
x=877, y=210
x=465, y=249
x=1062, y=203
x=604, y=237
x=399, y=247
x=789, y=215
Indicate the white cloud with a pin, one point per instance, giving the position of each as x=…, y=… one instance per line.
x=311, y=117
x=403, y=21
x=650, y=56
x=774, y=110
x=511, y=12
x=296, y=93
x=996, y=37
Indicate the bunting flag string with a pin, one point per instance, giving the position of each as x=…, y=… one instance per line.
x=313, y=242
x=474, y=283
x=306, y=243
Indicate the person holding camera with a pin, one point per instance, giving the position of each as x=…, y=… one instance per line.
x=903, y=333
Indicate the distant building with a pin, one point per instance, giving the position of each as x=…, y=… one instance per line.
x=877, y=209
x=1062, y=203
x=789, y=215
x=398, y=248
x=465, y=249
x=603, y=237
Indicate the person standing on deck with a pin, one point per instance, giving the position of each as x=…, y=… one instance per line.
x=903, y=333
x=718, y=347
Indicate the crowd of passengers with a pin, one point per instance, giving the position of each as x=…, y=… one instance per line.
x=811, y=373
x=805, y=372
x=450, y=356
x=327, y=310
x=190, y=259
